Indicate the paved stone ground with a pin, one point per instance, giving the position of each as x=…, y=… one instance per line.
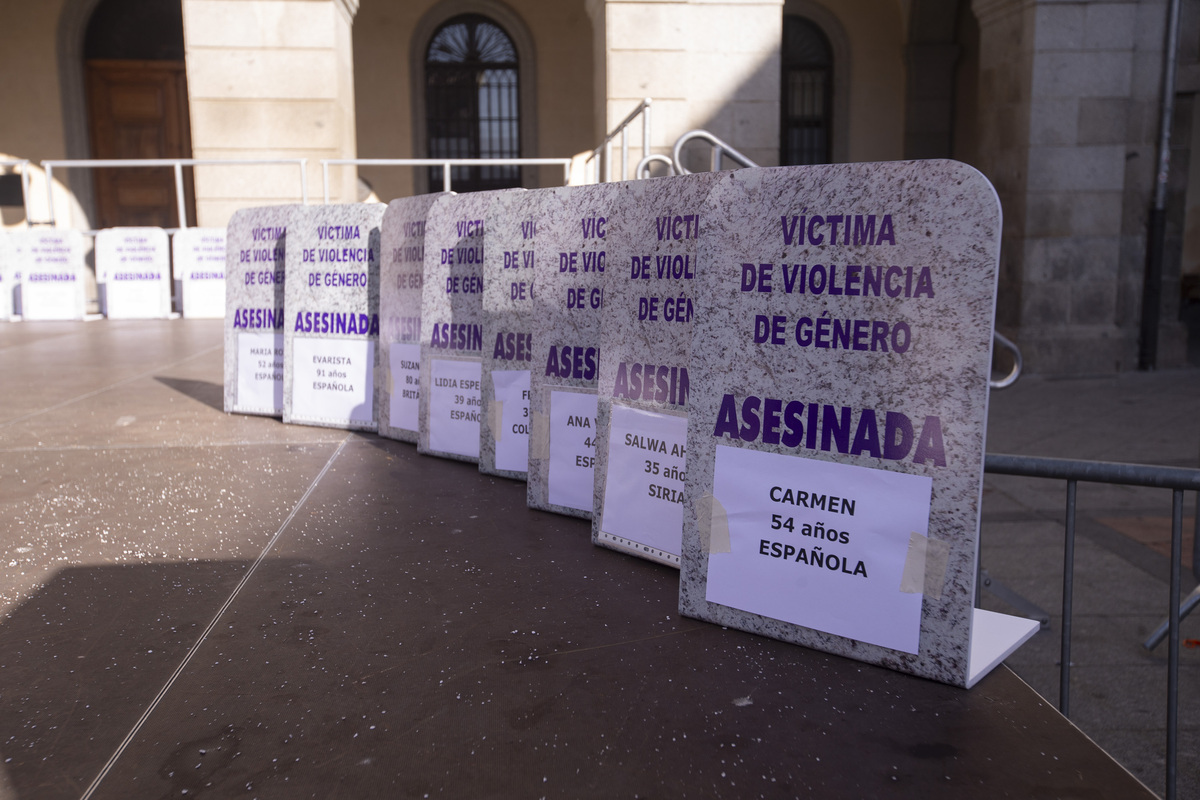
x=1118, y=689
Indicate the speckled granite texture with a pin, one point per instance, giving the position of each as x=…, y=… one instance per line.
x=331, y=316
x=52, y=279
x=944, y=216
x=401, y=277
x=566, y=344
x=452, y=324
x=198, y=263
x=256, y=245
x=133, y=270
x=646, y=327
x=512, y=265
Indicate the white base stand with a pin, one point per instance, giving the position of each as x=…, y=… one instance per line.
x=994, y=637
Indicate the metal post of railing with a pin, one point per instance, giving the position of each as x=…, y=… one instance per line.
x=180, y=203
x=1064, y=674
x=304, y=181
x=566, y=173
x=1173, y=641
x=646, y=128
x=325, y=181
x=446, y=177
x=624, y=153
x=608, y=161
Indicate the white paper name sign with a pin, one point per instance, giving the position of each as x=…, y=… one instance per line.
x=199, y=263
x=646, y=330
x=255, y=257
x=839, y=369
x=331, y=316
x=573, y=231
x=401, y=276
x=133, y=267
x=456, y=236
x=511, y=267
x=51, y=274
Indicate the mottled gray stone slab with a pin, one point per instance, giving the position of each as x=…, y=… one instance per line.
x=8, y=276
x=566, y=342
x=452, y=325
x=51, y=279
x=256, y=247
x=133, y=273
x=401, y=277
x=331, y=313
x=198, y=262
x=646, y=327
x=512, y=266
x=944, y=216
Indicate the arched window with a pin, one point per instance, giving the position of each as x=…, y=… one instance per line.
x=806, y=107
x=472, y=102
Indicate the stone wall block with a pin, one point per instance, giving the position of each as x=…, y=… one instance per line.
x=1059, y=26
x=1095, y=168
x=1082, y=74
x=1071, y=258
x=1054, y=122
x=237, y=23
x=1045, y=303
x=1092, y=302
x=1110, y=26
x=1103, y=120
x=1058, y=214
x=257, y=74
x=646, y=26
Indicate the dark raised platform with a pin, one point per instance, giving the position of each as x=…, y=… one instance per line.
x=413, y=630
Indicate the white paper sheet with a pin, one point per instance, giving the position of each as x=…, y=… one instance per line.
x=572, y=449
x=770, y=568
x=454, y=407
x=403, y=409
x=512, y=440
x=333, y=379
x=260, y=372
x=643, y=494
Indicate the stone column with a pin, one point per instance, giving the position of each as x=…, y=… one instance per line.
x=1068, y=102
x=711, y=64
x=269, y=79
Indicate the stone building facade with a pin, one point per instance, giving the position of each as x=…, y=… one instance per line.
x=1057, y=101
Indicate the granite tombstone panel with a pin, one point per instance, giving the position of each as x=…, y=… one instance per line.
x=451, y=325
x=566, y=348
x=51, y=274
x=402, y=275
x=133, y=273
x=511, y=267
x=839, y=368
x=199, y=266
x=255, y=257
x=331, y=316
x=646, y=330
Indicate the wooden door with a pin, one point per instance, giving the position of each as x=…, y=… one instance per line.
x=138, y=109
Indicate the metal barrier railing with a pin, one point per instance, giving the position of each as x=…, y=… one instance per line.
x=601, y=158
x=720, y=148
x=22, y=164
x=643, y=168
x=1178, y=480
x=444, y=163
x=177, y=163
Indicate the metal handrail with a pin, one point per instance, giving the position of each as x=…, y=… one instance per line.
x=178, y=164
x=605, y=147
x=444, y=163
x=23, y=164
x=643, y=167
x=1178, y=480
x=720, y=147
x=1018, y=362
